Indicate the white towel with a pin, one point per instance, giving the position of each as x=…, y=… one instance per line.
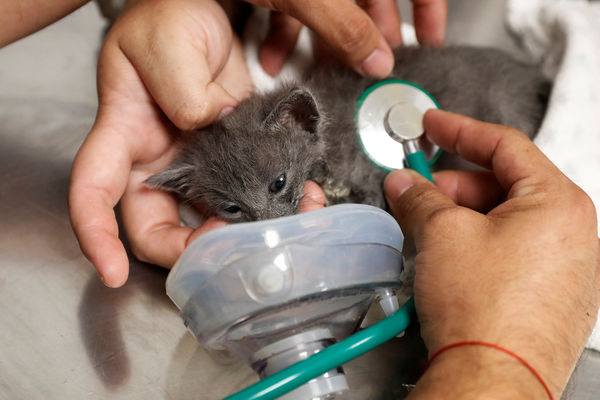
x=564, y=35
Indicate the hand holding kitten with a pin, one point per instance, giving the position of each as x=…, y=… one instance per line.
x=179, y=58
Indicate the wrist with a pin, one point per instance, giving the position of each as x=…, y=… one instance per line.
x=478, y=372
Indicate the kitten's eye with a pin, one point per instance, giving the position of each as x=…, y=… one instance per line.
x=233, y=209
x=277, y=184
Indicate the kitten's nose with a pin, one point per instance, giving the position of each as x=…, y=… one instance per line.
x=266, y=214
x=272, y=211
x=262, y=214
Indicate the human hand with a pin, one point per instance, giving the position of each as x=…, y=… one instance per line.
x=359, y=33
x=522, y=273
x=180, y=57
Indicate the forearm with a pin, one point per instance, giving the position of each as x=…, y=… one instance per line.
x=19, y=18
x=476, y=372
x=527, y=337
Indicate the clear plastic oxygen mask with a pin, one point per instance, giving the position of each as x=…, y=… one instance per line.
x=276, y=292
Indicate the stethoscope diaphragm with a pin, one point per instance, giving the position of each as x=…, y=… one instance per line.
x=388, y=113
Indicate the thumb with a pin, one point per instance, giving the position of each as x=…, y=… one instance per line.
x=414, y=201
x=178, y=57
x=182, y=82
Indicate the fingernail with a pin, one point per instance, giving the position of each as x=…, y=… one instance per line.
x=225, y=111
x=396, y=183
x=104, y=281
x=271, y=60
x=379, y=64
x=109, y=284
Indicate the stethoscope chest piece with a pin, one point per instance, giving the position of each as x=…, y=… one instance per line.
x=390, y=113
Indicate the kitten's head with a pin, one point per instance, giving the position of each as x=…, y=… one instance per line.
x=252, y=164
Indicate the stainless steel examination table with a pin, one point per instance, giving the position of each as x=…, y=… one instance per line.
x=63, y=335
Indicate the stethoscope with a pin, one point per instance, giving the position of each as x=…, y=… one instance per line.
x=389, y=126
x=389, y=121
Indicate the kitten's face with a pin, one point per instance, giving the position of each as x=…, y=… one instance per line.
x=253, y=164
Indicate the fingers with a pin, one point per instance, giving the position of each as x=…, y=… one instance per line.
x=151, y=220
x=430, y=21
x=235, y=76
x=386, y=17
x=176, y=64
x=516, y=162
x=193, y=100
x=414, y=201
x=346, y=28
x=279, y=43
x=98, y=238
x=314, y=197
x=153, y=225
x=208, y=225
x=93, y=193
x=477, y=190
x=284, y=30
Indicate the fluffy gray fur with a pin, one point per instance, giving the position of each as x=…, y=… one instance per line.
x=305, y=130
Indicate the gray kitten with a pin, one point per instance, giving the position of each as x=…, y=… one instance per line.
x=253, y=164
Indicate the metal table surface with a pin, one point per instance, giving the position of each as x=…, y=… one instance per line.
x=63, y=335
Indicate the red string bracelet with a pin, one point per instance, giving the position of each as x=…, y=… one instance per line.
x=493, y=346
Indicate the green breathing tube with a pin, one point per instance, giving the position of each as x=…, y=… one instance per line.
x=331, y=357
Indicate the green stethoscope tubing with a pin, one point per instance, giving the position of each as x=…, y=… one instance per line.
x=417, y=162
x=353, y=346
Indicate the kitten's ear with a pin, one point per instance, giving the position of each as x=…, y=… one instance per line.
x=297, y=108
x=176, y=178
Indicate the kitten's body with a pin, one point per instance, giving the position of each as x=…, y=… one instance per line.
x=306, y=130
